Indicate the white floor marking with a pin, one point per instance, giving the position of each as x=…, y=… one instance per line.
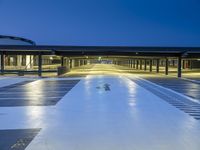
x=127, y=117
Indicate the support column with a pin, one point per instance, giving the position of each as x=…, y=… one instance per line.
x=163, y=64
x=62, y=61
x=173, y=63
x=88, y=62
x=73, y=63
x=131, y=61
x=150, y=65
x=191, y=64
x=140, y=64
x=76, y=62
x=145, y=65
x=166, y=66
x=19, y=60
x=137, y=64
x=40, y=64
x=2, y=63
x=70, y=63
x=79, y=62
x=134, y=63
x=179, y=67
x=187, y=64
x=67, y=62
x=183, y=65
x=28, y=61
x=157, y=65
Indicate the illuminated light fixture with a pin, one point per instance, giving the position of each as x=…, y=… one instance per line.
x=136, y=53
x=99, y=58
x=198, y=59
x=51, y=58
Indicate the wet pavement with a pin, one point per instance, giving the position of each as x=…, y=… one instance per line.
x=35, y=93
x=16, y=139
x=112, y=111
x=181, y=102
x=185, y=87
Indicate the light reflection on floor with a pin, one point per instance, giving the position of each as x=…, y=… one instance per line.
x=127, y=117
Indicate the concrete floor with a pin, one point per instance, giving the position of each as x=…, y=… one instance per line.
x=108, y=109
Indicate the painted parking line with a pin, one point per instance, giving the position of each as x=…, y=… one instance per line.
x=16, y=139
x=38, y=93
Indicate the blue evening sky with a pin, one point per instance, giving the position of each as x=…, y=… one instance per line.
x=103, y=22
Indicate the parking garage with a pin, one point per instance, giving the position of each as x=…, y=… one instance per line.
x=33, y=59
x=98, y=97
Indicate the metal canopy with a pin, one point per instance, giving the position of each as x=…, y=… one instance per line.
x=101, y=50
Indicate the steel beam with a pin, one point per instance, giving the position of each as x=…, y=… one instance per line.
x=145, y=65
x=62, y=61
x=183, y=65
x=150, y=65
x=140, y=64
x=134, y=63
x=40, y=64
x=2, y=63
x=179, y=71
x=137, y=64
x=157, y=65
x=166, y=66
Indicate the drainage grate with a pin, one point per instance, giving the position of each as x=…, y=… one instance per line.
x=184, y=87
x=181, y=103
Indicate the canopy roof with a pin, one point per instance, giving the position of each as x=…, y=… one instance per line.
x=101, y=50
x=12, y=40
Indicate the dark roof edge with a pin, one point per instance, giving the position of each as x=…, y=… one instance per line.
x=17, y=38
x=94, y=47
